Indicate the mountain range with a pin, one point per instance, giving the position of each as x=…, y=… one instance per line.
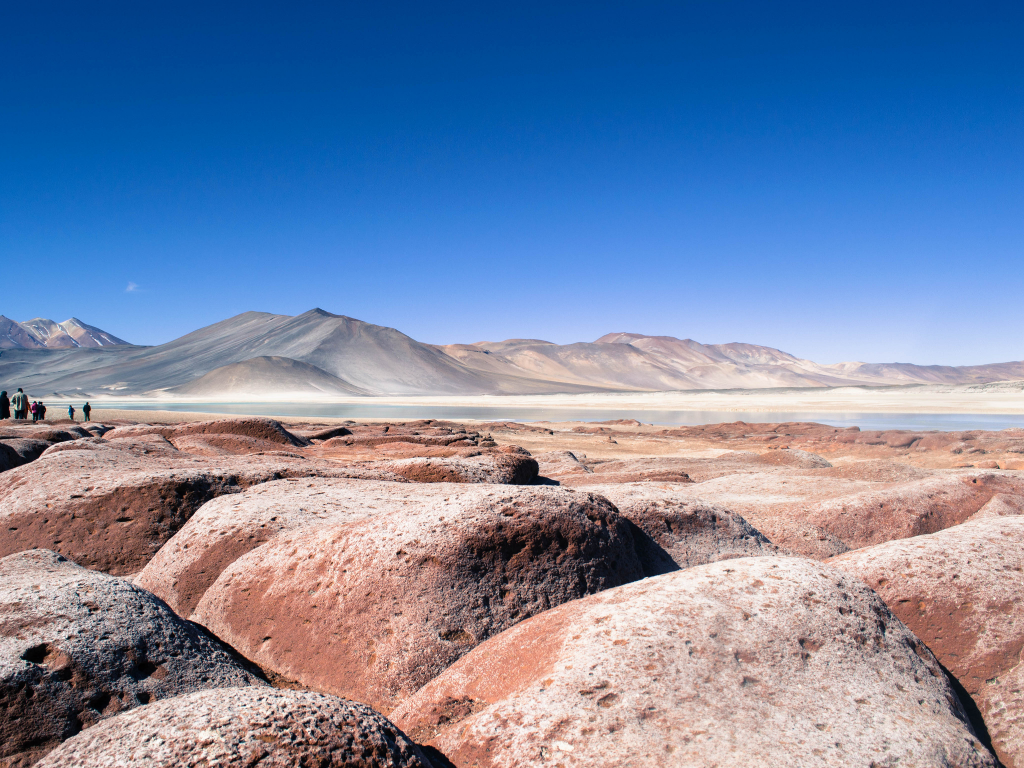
x=257, y=354
x=40, y=333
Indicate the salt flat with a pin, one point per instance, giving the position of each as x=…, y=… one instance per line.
x=999, y=398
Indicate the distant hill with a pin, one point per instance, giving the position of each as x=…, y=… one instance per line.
x=265, y=376
x=40, y=333
x=322, y=354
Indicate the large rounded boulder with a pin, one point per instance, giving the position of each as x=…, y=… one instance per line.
x=226, y=528
x=759, y=661
x=495, y=466
x=373, y=609
x=960, y=591
x=77, y=646
x=242, y=728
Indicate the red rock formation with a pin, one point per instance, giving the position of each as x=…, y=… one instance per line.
x=896, y=512
x=373, y=609
x=227, y=445
x=757, y=661
x=26, y=442
x=77, y=646
x=960, y=591
x=228, y=527
x=238, y=728
x=690, y=532
x=505, y=467
x=251, y=427
x=112, y=505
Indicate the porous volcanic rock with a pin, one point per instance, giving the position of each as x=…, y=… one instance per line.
x=77, y=646
x=552, y=464
x=794, y=457
x=1001, y=505
x=325, y=433
x=373, y=609
x=226, y=445
x=17, y=451
x=653, y=469
x=144, y=443
x=227, y=527
x=439, y=438
x=241, y=728
x=936, y=449
x=24, y=443
x=252, y=427
x=110, y=505
x=901, y=511
x=676, y=469
x=960, y=591
x=689, y=531
x=49, y=434
x=759, y=661
x=509, y=468
x=821, y=513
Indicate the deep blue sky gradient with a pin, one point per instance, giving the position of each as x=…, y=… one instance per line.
x=842, y=181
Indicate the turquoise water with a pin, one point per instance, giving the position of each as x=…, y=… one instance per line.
x=913, y=421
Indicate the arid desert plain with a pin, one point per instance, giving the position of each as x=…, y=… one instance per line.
x=181, y=590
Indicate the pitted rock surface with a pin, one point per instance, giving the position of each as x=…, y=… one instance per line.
x=690, y=532
x=24, y=443
x=227, y=445
x=910, y=509
x=772, y=661
x=77, y=646
x=653, y=469
x=960, y=591
x=492, y=467
x=241, y=728
x=110, y=505
x=562, y=464
x=373, y=609
x=228, y=527
x=674, y=469
x=268, y=430
x=820, y=513
x=1001, y=505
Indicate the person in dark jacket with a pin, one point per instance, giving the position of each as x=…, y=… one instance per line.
x=5, y=405
x=71, y=412
x=86, y=410
x=41, y=411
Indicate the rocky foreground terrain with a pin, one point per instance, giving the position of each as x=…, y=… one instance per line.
x=243, y=592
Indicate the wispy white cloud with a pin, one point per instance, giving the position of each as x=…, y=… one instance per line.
x=132, y=288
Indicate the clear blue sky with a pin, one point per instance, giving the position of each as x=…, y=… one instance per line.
x=840, y=180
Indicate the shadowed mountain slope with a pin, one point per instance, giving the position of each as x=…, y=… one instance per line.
x=257, y=353
x=267, y=376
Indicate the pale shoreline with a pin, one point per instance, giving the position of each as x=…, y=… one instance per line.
x=1001, y=400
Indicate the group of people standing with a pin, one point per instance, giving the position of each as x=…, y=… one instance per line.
x=20, y=407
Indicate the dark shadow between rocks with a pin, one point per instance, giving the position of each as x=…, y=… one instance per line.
x=436, y=757
x=250, y=666
x=654, y=560
x=974, y=716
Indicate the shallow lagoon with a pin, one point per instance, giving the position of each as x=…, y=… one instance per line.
x=348, y=410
